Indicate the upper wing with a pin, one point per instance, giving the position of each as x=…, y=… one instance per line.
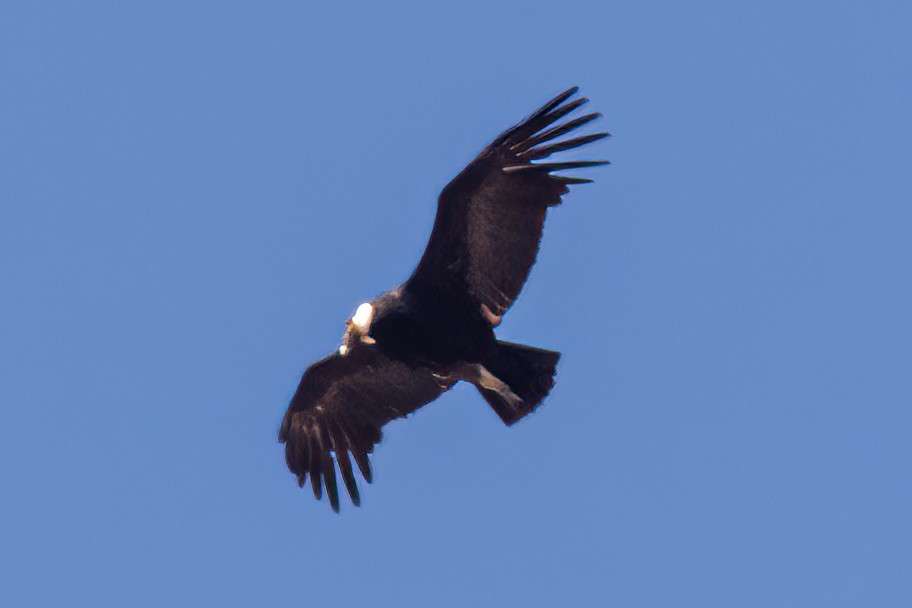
x=490, y=218
x=339, y=407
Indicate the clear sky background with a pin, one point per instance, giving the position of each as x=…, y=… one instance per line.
x=194, y=198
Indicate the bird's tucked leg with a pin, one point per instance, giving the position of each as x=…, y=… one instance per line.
x=478, y=375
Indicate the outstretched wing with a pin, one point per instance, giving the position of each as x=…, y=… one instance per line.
x=490, y=218
x=338, y=409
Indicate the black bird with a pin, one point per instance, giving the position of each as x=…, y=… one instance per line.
x=403, y=349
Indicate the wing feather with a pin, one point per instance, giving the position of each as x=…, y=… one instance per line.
x=490, y=217
x=339, y=408
x=567, y=144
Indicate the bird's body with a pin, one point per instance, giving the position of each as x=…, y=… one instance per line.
x=432, y=327
x=403, y=349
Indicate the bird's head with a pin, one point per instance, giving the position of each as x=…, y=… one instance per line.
x=357, y=329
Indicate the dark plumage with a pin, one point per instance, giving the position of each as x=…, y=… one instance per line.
x=408, y=346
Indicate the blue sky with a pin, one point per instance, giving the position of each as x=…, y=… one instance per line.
x=194, y=198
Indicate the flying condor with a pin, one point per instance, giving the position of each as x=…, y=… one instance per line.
x=403, y=349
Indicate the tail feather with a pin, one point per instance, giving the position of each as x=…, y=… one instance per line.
x=528, y=371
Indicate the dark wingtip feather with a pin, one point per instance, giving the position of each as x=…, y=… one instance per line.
x=327, y=467
x=568, y=144
x=364, y=466
x=332, y=490
x=570, y=181
x=555, y=132
x=576, y=164
x=297, y=454
x=549, y=167
x=315, y=481
x=555, y=101
x=521, y=136
x=316, y=485
x=543, y=117
x=564, y=110
x=348, y=476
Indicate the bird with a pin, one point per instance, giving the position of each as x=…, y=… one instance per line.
x=408, y=346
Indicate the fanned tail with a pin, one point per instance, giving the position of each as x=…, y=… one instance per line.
x=528, y=371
